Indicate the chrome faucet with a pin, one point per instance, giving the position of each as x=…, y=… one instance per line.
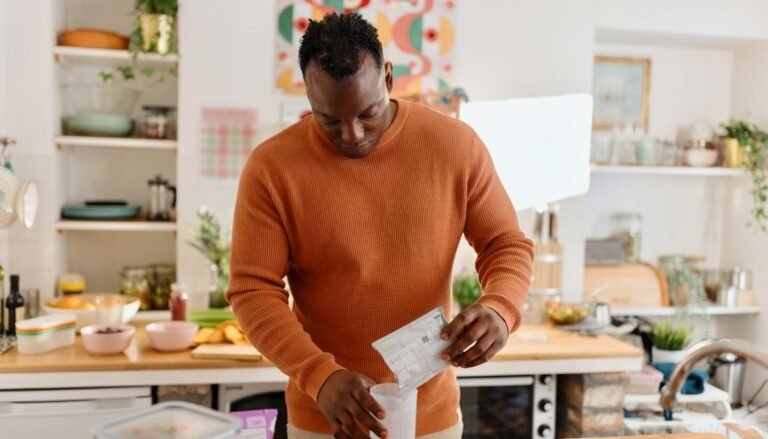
x=700, y=351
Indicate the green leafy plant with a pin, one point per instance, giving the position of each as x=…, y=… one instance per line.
x=136, y=40
x=670, y=336
x=161, y=7
x=466, y=289
x=212, y=243
x=752, y=141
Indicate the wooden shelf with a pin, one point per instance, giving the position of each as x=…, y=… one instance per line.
x=711, y=394
x=115, y=226
x=109, y=56
x=667, y=170
x=115, y=142
x=671, y=311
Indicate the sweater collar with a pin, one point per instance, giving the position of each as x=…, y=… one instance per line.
x=390, y=134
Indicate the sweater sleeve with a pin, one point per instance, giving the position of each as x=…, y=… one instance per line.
x=504, y=254
x=259, y=262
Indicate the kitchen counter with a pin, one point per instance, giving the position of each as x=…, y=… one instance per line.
x=532, y=350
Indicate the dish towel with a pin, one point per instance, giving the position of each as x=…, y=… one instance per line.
x=694, y=383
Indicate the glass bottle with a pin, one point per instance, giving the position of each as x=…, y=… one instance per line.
x=627, y=227
x=178, y=302
x=15, y=305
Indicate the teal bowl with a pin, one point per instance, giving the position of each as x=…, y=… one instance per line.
x=99, y=124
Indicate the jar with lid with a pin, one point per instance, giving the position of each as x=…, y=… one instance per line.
x=156, y=121
x=164, y=275
x=135, y=283
x=71, y=283
x=627, y=228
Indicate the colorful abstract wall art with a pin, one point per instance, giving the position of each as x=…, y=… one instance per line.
x=417, y=36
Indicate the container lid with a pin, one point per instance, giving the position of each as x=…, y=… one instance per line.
x=45, y=323
x=170, y=420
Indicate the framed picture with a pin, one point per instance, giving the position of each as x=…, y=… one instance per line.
x=621, y=88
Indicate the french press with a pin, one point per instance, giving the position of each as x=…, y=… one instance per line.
x=162, y=199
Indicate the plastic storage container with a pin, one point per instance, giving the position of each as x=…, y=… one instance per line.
x=43, y=334
x=175, y=419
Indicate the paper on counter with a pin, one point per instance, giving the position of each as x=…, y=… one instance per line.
x=413, y=352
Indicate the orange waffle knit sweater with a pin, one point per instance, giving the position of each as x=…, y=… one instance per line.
x=367, y=245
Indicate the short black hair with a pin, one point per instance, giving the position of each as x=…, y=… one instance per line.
x=338, y=44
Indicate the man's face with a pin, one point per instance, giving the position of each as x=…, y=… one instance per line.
x=354, y=111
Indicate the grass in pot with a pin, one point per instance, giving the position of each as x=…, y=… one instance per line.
x=669, y=341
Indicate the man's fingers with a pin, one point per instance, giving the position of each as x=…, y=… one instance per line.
x=350, y=426
x=481, y=352
x=368, y=403
x=457, y=325
x=471, y=334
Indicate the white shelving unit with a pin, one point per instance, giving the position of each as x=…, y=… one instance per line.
x=82, y=54
x=109, y=168
x=671, y=311
x=115, y=142
x=115, y=226
x=667, y=170
x=711, y=394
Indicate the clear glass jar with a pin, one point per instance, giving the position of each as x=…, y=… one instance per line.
x=164, y=276
x=156, y=121
x=135, y=283
x=685, y=284
x=628, y=228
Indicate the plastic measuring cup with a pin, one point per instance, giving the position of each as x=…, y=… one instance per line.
x=400, y=408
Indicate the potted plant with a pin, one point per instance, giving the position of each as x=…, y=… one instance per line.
x=214, y=245
x=466, y=289
x=745, y=145
x=669, y=340
x=155, y=26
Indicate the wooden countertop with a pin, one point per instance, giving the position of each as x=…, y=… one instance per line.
x=527, y=344
x=674, y=436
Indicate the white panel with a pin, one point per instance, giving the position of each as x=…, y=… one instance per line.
x=540, y=146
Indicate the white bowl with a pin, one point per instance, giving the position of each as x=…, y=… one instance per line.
x=122, y=311
x=701, y=158
x=101, y=343
x=171, y=336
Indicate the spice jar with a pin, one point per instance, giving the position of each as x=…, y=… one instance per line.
x=135, y=283
x=156, y=121
x=627, y=228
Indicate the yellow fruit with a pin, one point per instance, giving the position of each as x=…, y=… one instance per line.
x=203, y=334
x=242, y=341
x=216, y=337
x=69, y=302
x=232, y=334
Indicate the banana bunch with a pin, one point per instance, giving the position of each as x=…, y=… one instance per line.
x=228, y=331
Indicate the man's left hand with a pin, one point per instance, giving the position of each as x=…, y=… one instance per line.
x=477, y=324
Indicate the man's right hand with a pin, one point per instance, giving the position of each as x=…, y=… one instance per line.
x=346, y=401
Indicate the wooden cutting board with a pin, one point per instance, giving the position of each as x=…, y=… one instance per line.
x=226, y=351
x=627, y=286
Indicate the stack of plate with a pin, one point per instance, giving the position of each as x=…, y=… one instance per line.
x=100, y=212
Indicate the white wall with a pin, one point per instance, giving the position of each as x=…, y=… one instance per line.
x=744, y=247
x=30, y=119
x=3, y=114
x=229, y=65
x=688, y=85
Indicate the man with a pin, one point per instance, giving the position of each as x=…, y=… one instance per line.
x=362, y=206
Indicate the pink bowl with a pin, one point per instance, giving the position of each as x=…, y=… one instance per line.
x=107, y=343
x=171, y=336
